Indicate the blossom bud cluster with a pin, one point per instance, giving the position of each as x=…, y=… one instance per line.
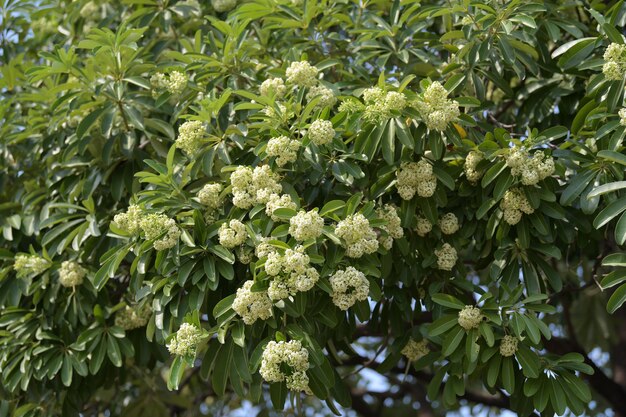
x=291, y=272
x=252, y=305
x=416, y=177
x=286, y=361
x=26, y=265
x=424, y=226
x=380, y=105
x=71, y=274
x=471, y=166
x=470, y=317
x=285, y=150
x=129, y=221
x=222, y=6
x=321, y=132
x=252, y=187
x=277, y=201
x=306, y=225
x=133, y=317
x=514, y=204
x=209, y=195
x=190, y=136
x=532, y=169
x=349, y=286
x=508, y=345
x=161, y=229
x=357, y=236
x=302, y=74
x=415, y=350
x=271, y=112
x=273, y=87
x=449, y=224
x=622, y=116
x=615, y=62
x=435, y=107
x=326, y=96
x=389, y=213
x=174, y=83
x=185, y=341
x=446, y=257
x=232, y=234
x=245, y=255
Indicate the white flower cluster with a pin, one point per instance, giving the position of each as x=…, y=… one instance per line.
x=252, y=187
x=252, y=306
x=271, y=112
x=277, y=201
x=532, y=169
x=508, y=345
x=26, y=265
x=615, y=62
x=190, y=136
x=129, y=221
x=349, y=286
x=291, y=273
x=302, y=74
x=306, y=225
x=350, y=105
x=278, y=357
x=389, y=213
x=380, y=105
x=273, y=87
x=357, y=236
x=514, y=204
x=622, y=116
x=71, y=274
x=470, y=317
x=326, y=96
x=321, y=132
x=449, y=224
x=263, y=248
x=415, y=350
x=285, y=150
x=446, y=257
x=161, y=229
x=232, y=234
x=470, y=167
x=245, y=255
x=222, y=6
x=209, y=195
x=133, y=317
x=174, y=83
x=423, y=226
x=186, y=340
x=436, y=109
x=416, y=177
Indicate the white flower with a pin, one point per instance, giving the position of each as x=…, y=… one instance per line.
x=232, y=234
x=415, y=350
x=186, y=340
x=252, y=187
x=302, y=74
x=531, y=169
x=286, y=361
x=252, y=305
x=446, y=257
x=423, y=226
x=470, y=317
x=508, y=345
x=190, y=136
x=472, y=160
x=285, y=150
x=415, y=177
x=291, y=273
x=161, y=229
x=273, y=87
x=321, y=132
x=622, y=116
x=71, y=274
x=449, y=224
x=133, y=317
x=435, y=107
x=221, y=6
x=278, y=201
x=357, y=235
x=209, y=195
x=129, y=221
x=349, y=286
x=395, y=101
x=615, y=62
x=326, y=96
x=306, y=225
x=263, y=249
x=514, y=204
x=176, y=83
x=373, y=95
x=26, y=265
x=389, y=213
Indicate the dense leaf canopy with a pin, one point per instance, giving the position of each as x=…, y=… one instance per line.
x=370, y=207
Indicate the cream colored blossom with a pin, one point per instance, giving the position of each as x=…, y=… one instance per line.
x=470, y=317
x=252, y=305
x=25, y=265
x=161, y=229
x=508, y=345
x=190, y=135
x=349, y=286
x=209, y=195
x=357, y=235
x=129, y=221
x=285, y=150
x=531, y=169
x=470, y=167
x=302, y=74
x=389, y=213
x=436, y=109
x=326, y=96
x=306, y=225
x=423, y=226
x=286, y=361
x=277, y=201
x=232, y=234
x=321, y=132
x=615, y=62
x=622, y=116
x=415, y=178
x=176, y=83
x=222, y=6
x=253, y=186
x=71, y=274
x=446, y=257
x=133, y=317
x=415, y=350
x=291, y=273
x=449, y=224
x=185, y=341
x=273, y=87
x=514, y=204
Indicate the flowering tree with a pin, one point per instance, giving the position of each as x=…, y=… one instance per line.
x=249, y=204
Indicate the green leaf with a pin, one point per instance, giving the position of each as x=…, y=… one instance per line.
x=576, y=186
x=177, y=369
x=452, y=341
x=448, y=301
x=617, y=299
x=88, y=121
x=607, y=214
x=278, y=394
x=529, y=361
x=508, y=374
x=613, y=156
x=613, y=278
x=442, y=325
x=607, y=188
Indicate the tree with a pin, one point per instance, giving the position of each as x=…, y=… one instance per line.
x=213, y=206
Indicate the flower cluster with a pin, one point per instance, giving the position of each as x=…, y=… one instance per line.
x=471, y=166
x=185, y=341
x=423, y=226
x=415, y=350
x=174, y=83
x=190, y=136
x=71, y=274
x=245, y=255
x=470, y=317
x=263, y=248
x=349, y=286
x=389, y=213
x=285, y=150
x=508, y=345
x=222, y=6
x=302, y=74
x=161, y=229
x=321, y=132
x=435, y=107
x=380, y=105
x=26, y=265
x=277, y=201
x=449, y=224
x=129, y=221
x=209, y=195
x=326, y=96
x=357, y=236
x=232, y=234
x=283, y=116
x=622, y=116
x=531, y=169
x=133, y=317
x=252, y=187
x=273, y=87
x=306, y=225
x=291, y=272
x=446, y=257
x=615, y=62
x=416, y=177
x=252, y=305
x=514, y=204
x=286, y=361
